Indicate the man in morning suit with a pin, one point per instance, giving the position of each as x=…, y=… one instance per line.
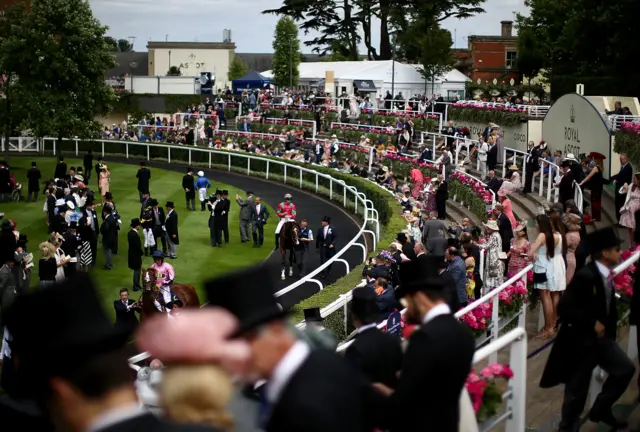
x=245, y=216
x=325, y=244
x=143, y=176
x=159, y=219
x=625, y=176
x=87, y=162
x=226, y=205
x=377, y=355
x=565, y=187
x=34, y=177
x=188, y=184
x=439, y=356
x=126, y=312
x=432, y=227
x=171, y=229
x=109, y=231
x=306, y=390
x=259, y=217
x=587, y=338
x=134, y=255
x=87, y=379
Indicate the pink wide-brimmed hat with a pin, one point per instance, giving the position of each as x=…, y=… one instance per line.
x=195, y=336
x=502, y=193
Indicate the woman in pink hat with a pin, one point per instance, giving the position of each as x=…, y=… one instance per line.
x=506, y=203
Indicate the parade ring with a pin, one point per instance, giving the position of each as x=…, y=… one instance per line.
x=196, y=257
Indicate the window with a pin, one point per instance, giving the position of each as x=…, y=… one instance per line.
x=512, y=57
x=453, y=94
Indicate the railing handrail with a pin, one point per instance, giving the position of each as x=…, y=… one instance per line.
x=614, y=121
x=358, y=196
x=529, y=109
x=357, y=125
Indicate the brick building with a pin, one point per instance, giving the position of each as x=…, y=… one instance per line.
x=492, y=57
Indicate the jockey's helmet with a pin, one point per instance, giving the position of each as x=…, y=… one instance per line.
x=288, y=196
x=158, y=255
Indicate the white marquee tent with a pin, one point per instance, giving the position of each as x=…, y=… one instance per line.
x=376, y=77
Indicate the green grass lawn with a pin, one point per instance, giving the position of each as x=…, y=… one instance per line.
x=197, y=260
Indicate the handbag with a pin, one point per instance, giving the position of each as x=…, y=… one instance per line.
x=539, y=277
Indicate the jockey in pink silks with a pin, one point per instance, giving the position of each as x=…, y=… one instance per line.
x=286, y=211
x=164, y=278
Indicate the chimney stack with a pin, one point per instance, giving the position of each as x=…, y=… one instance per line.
x=507, y=28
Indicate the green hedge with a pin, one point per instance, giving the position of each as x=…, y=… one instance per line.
x=628, y=142
x=354, y=135
x=485, y=115
x=421, y=124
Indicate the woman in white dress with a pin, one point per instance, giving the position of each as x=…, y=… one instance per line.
x=61, y=258
x=549, y=272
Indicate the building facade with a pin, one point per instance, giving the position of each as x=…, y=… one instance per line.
x=494, y=57
x=192, y=58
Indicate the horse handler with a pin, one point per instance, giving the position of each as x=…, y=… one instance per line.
x=286, y=211
x=302, y=247
x=164, y=278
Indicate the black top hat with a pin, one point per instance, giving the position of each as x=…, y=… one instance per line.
x=401, y=237
x=189, y=169
x=602, y=239
x=312, y=315
x=218, y=192
x=414, y=278
x=363, y=304
x=143, y=163
x=252, y=303
x=73, y=224
x=6, y=226
x=83, y=333
x=169, y=204
x=225, y=192
x=135, y=222
x=249, y=192
x=326, y=219
x=153, y=202
x=22, y=239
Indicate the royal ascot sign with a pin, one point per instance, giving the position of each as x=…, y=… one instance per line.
x=191, y=63
x=514, y=137
x=574, y=125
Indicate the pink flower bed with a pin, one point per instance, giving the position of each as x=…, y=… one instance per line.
x=501, y=108
x=476, y=186
x=629, y=127
x=364, y=129
x=623, y=283
x=483, y=389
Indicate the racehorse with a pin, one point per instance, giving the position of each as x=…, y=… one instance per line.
x=289, y=238
x=186, y=294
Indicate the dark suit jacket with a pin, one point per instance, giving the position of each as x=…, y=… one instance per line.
x=506, y=232
x=70, y=245
x=85, y=230
x=377, y=355
x=188, y=182
x=61, y=170
x=322, y=395
x=442, y=193
x=125, y=319
x=87, y=161
x=624, y=176
x=143, y=175
x=407, y=249
x=161, y=216
x=431, y=228
x=109, y=231
x=150, y=423
x=450, y=292
x=566, y=190
x=437, y=246
x=19, y=416
x=321, y=241
x=134, y=256
x=263, y=216
x=438, y=357
x=494, y=184
x=171, y=224
x=582, y=304
x=34, y=177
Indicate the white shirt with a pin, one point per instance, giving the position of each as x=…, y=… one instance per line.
x=258, y=208
x=115, y=416
x=285, y=369
x=441, y=309
x=326, y=230
x=604, y=272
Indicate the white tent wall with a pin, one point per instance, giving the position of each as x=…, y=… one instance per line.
x=407, y=78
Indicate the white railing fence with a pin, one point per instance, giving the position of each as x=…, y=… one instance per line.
x=540, y=177
x=462, y=144
x=293, y=122
x=615, y=121
x=292, y=174
x=20, y=144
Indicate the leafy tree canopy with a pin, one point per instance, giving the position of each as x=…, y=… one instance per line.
x=174, y=71
x=286, y=55
x=237, y=68
x=56, y=57
x=120, y=45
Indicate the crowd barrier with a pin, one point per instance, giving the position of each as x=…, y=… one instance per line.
x=292, y=174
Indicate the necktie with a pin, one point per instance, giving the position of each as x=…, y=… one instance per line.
x=609, y=291
x=264, y=409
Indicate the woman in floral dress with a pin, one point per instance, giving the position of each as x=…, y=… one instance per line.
x=495, y=266
x=518, y=259
x=573, y=240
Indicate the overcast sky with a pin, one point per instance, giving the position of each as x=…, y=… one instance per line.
x=204, y=20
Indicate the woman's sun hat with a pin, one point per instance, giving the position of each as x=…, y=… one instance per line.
x=492, y=225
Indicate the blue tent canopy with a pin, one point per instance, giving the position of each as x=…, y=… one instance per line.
x=250, y=81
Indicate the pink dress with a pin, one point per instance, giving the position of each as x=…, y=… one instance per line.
x=632, y=205
x=418, y=182
x=517, y=261
x=508, y=211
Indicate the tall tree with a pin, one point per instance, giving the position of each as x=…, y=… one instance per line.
x=530, y=57
x=59, y=58
x=286, y=53
x=237, y=68
x=112, y=43
x=436, y=57
x=124, y=45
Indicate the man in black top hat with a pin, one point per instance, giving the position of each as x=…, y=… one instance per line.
x=316, y=334
x=306, y=390
x=159, y=218
x=565, y=187
x=216, y=221
x=407, y=246
x=134, y=255
x=171, y=229
x=376, y=354
x=226, y=205
x=34, y=177
x=189, y=186
x=326, y=244
x=86, y=380
x=439, y=356
x=87, y=162
x=144, y=176
x=587, y=338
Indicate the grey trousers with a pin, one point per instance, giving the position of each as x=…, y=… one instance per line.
x=171, y=248
x=108, y=257
x=245, y=230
